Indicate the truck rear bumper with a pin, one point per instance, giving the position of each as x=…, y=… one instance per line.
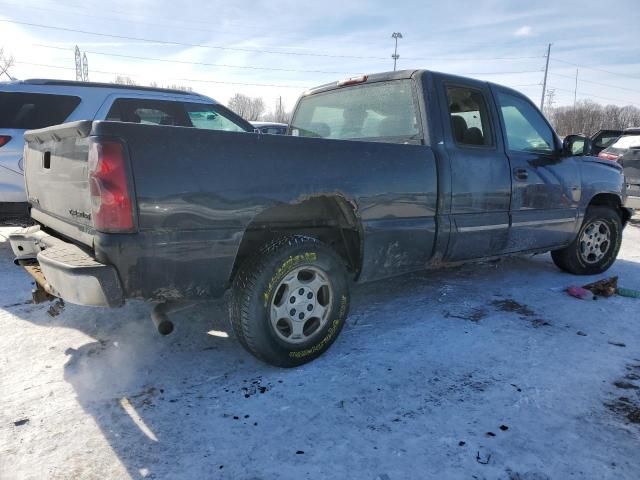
x=65, y=270
x=632, y=202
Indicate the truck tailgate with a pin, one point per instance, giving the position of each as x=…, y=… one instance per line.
x=56, y=175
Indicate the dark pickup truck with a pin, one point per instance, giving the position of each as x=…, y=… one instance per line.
x=380, y=175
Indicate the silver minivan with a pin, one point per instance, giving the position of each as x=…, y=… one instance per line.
x=32, y=104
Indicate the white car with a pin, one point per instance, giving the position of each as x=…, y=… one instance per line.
x=32, y=104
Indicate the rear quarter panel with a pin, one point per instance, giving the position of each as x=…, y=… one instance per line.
x=197, y=191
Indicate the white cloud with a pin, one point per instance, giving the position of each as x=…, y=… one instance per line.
x=524, y=31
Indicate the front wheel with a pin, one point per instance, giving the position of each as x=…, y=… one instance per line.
x=289, y=302
x=596, y=246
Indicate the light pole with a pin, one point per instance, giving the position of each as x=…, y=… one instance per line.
x=395, y=56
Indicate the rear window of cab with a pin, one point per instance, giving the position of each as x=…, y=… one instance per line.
x=381, y=110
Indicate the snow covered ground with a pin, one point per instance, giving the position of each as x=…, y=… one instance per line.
x=483, y=371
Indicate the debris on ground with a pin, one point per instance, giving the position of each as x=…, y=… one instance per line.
x=56, y=309
x=581, y=293
x=19, y=423
x=603, y=288
x=627, y=292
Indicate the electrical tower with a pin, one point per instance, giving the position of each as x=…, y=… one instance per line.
x=78, y=65
x=85, y=68
x=82, y=66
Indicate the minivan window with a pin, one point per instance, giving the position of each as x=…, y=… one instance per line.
x=369, y=111
x=525, y=127
x=27, y=111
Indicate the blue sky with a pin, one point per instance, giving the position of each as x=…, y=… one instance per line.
x=280, y=48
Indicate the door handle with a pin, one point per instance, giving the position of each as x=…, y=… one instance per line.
x=520, y=173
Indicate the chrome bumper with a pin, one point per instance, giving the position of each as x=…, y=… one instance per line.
x=632, y=202
x=65, y=270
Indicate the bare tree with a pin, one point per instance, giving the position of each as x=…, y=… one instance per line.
x=588, y=117
x=175, y=86
x=248, y=108
x=279, y=114
x=6, y=62
x=124, y=80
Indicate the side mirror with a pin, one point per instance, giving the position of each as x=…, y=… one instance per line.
x=576, y=145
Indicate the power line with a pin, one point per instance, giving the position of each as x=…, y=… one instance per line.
x=242, y=49
x=634, y=90
x=591, y=95
x=184, y=44
x=301, y=87
x=219, y=65
x=595, y=69
x=185, y=62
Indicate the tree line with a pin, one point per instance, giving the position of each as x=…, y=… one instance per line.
x=587, y=117
x=249, y=108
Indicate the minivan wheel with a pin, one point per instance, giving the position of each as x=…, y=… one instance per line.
x=290, y=301
x=596, y=246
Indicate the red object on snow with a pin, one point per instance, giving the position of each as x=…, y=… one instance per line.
x=581, y=293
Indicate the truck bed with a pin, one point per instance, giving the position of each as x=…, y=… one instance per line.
x=198, y=191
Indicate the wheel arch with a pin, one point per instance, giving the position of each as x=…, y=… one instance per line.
x=331, y=218
x=613, y=200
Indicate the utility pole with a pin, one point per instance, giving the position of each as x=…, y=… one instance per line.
x=575, y=90
x=395, y=56
x=544, y=83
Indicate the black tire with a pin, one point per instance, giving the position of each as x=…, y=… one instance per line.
x=255, y=291
x=572, y=259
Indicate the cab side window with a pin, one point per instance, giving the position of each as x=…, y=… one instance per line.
x=525, y=127
x=470, y=124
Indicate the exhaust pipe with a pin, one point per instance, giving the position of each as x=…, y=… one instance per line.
x=161, y=319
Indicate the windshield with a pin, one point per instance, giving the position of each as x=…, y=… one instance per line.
x=626, y=141
x=369, y=111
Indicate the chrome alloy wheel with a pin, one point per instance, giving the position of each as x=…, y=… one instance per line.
x=301, y=305
x=595, y=241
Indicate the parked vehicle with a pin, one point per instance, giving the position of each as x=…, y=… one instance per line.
x=33, y=104
x=602, y=139
x=383, y=175
x=272, y=128
x=626, y=151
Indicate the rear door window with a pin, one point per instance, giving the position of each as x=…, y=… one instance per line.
x=382, y=110
x=26, y=111
x=149, y=112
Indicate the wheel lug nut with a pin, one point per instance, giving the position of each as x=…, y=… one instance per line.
x=292, y=300
x=309, y=295
x=301, y=291
x=309, y=308
x=292, y=312
x=301, y=316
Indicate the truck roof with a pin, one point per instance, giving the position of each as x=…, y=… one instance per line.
x=397, y=75
x=73, y=83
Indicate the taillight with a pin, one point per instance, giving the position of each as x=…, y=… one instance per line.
x=112, y=209
x=4, y=139
x=609, y=156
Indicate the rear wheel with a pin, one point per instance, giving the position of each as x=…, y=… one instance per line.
x=289, y=302
x=596, y=246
